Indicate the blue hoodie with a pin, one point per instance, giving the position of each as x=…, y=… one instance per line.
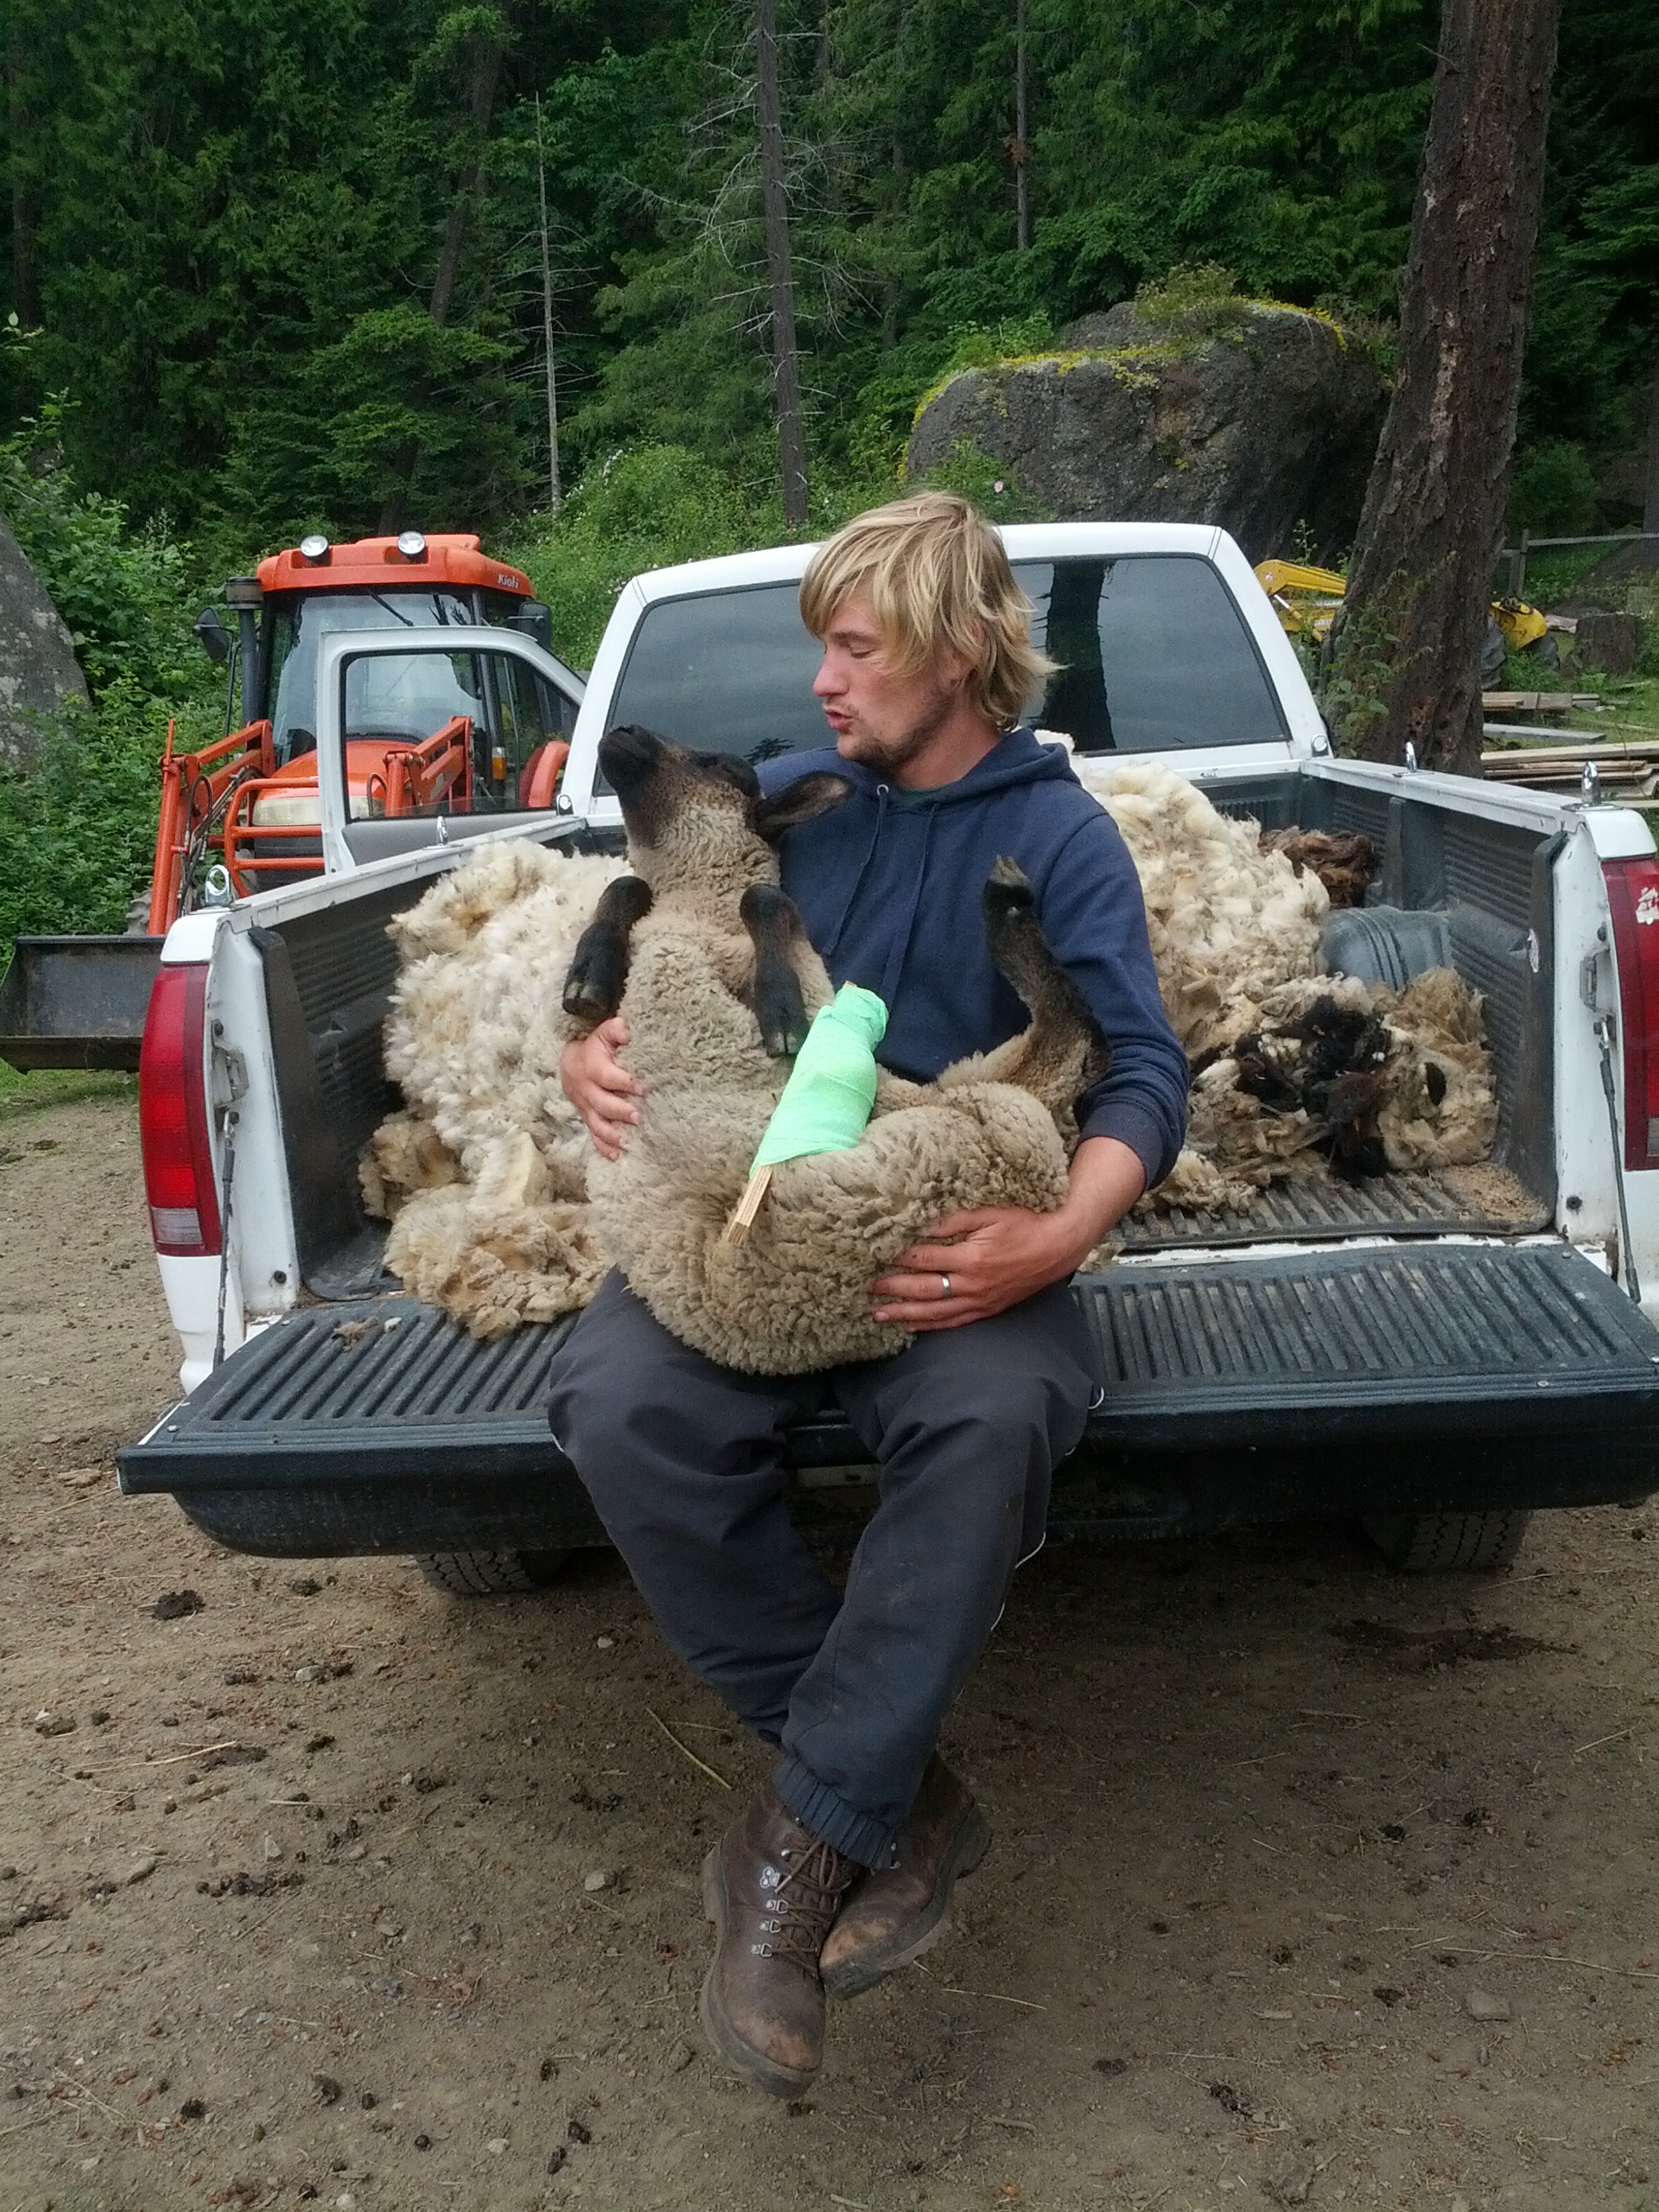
x=889, y=886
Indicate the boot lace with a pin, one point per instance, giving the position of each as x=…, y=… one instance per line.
x=804, y=1904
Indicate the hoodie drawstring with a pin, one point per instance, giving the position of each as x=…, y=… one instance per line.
x=901, y=944
x=833, y=946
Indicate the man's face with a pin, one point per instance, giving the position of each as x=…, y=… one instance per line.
x=880, y=717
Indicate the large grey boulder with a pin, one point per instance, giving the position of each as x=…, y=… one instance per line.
x=38, y=671
x=1258, y=418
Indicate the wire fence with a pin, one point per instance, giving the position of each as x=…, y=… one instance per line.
x=1517, y=556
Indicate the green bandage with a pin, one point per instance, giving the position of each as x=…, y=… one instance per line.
x=832, y=1087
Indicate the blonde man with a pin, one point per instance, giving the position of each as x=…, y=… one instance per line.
x=842, y=1868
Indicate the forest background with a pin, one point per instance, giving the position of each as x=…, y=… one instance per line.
x=266, y=270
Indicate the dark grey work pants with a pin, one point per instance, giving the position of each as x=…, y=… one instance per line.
x=682, y=1460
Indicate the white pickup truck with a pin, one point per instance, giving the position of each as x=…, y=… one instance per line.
x=1378, y=1349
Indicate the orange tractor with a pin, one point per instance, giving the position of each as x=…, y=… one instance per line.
x=470, y=733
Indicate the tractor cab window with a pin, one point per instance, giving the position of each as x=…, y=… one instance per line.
x=298, y=625
x=431, y=732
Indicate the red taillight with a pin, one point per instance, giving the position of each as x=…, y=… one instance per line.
x=173, y=1115
x=1633, y=897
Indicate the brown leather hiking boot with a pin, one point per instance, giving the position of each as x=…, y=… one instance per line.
x=891, y=1917
x=771, y=1889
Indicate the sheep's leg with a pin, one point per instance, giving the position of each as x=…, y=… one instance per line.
x=778, y=935
x=598, y=974
x=1063, y=1053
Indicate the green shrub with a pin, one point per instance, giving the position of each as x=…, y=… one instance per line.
x=1553, y=490
x=77, y=825
x=77, y=815
x=647, y=507
x=126, y=595
x=1198, y=298
x=991, y=485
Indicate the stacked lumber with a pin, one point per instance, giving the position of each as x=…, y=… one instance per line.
x=1624, y=770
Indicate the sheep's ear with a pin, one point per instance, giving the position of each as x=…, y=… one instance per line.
x=803, y=800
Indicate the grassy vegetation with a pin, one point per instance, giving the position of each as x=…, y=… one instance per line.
x=1555, y=576
x=29, y=1094
x=1635, y=704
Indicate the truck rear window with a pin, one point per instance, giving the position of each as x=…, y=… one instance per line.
x=1157, y=657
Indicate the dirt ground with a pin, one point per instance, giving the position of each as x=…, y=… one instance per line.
x=1311, y=1883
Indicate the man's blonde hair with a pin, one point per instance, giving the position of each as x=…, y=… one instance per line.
x=935, y=574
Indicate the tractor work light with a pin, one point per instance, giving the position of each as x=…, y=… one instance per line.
x=411, y=545
x=314, y=548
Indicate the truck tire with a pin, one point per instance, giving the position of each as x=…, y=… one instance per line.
x=491, y=1574
x=1441, y=1543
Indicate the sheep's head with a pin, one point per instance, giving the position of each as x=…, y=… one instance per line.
x=700, y=819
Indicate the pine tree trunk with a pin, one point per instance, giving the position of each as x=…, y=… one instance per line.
x=25, y=211
x=1405, y=649
x=555, y=484
x=486, y=76
x=1022, y=149
x=785, y=357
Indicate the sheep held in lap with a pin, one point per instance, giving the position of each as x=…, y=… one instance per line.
x=718, y=970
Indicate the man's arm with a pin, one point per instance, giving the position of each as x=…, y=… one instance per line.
x=995, y=1256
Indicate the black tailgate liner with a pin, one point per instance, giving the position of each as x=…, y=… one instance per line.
x=1446, y=1377
x=1313, y=1206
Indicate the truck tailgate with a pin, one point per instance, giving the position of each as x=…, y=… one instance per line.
x=1422, y=1377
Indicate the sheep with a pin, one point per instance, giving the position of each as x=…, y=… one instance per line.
x=1375, y=1080
x=1235, y=917
x=715, y=962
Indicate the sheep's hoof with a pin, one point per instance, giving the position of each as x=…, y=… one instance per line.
x=584, y=999
x=1008, y=890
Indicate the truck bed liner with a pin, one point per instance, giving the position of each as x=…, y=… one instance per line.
x=1447, y=1377
x=1314, y=1205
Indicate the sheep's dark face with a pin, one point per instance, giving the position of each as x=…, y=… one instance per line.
x=701, y=817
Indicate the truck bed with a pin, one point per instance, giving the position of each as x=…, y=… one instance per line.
x=329, y=975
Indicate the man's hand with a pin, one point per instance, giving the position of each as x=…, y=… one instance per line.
x=600, y=1089
x=995, y=1256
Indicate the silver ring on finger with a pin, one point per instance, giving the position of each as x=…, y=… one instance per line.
x=945, y=1287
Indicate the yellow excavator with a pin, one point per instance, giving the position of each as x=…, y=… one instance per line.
x=1306, y=600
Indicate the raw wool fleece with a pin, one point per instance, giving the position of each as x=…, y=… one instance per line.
x=1227, y=921
x=1236, y=933
x=483, y=1177
x=1433, y=1024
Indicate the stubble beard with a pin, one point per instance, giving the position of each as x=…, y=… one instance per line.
x=887, y=756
